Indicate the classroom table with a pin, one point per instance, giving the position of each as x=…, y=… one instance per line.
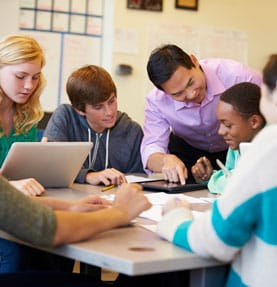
x=135, y=250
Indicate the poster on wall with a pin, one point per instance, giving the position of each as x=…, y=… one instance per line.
x=152, y=5
x=186, y=4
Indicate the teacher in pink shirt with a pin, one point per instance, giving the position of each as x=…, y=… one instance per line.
x=180, y=119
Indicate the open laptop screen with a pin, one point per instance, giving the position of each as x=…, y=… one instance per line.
x=53, y=164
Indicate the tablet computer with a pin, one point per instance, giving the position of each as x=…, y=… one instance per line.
x=170, y=187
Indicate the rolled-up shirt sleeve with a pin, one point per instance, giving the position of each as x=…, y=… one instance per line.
x=156, y=131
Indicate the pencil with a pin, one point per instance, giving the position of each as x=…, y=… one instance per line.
x=106, y=188
x=225, y=170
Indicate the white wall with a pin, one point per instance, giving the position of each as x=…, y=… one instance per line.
x=9, y=17
x=253, y=17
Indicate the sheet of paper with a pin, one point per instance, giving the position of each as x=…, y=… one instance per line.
x=154, y=213
x=153, y=227
x=160, y=198
x=209, y=199
x=134, y=178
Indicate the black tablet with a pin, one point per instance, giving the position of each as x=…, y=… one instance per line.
x=169, y=187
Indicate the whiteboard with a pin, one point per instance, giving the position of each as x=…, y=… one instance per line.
x=204, y=42
x=64, y=53
x=71, y=35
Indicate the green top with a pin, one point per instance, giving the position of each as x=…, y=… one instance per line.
x=7, y=141
x=218, y=179
x=25, y=218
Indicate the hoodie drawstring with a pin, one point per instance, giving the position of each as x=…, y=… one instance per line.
x=96, y=146
x=107, y=149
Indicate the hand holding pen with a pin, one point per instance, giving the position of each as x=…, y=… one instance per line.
x=202, y=170
x=107, y=177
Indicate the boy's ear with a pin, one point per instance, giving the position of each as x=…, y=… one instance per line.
x=79, y=112
x=256, y=121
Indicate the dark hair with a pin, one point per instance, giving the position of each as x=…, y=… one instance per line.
x=245, y=99
x=89, y=85
x=164, y=61
x=270, y=72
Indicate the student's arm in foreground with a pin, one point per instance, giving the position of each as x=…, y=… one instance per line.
x=38, y=224
x=88, y=203
x=74, y=226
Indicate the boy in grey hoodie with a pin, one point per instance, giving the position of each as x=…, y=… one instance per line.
x=93, y=116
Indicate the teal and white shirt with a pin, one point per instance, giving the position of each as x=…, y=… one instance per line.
x=241, y=227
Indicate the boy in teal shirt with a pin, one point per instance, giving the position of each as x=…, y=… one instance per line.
x=240, y=121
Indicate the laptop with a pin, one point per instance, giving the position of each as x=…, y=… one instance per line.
x=53, y=164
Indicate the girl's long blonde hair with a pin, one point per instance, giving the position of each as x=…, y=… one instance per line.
x=17, y=49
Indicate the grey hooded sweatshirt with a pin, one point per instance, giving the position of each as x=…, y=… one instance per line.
x=117, y=147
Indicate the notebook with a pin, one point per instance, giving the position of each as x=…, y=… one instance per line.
x=53, y=164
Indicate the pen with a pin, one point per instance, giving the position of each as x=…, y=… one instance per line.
x=106, y=188
x=225, y=170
